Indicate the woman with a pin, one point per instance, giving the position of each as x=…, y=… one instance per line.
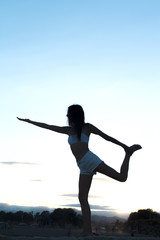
x=88, y=163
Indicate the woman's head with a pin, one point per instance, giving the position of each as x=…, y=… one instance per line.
x=75, y=116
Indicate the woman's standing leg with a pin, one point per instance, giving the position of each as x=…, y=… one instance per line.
x=84, y=186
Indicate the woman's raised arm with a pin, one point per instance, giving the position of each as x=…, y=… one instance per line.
x=64, y=130
x=95, y=130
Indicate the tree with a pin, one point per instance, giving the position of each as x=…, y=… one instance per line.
x=145, y=221
x=65, y=216
x=44, y=218
x=60, y=217
x=28, y=217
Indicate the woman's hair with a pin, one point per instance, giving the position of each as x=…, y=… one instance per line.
x=76, y=116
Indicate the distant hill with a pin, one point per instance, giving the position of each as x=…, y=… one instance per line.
x=14, y=208
x=96, y=218
x=104, y=219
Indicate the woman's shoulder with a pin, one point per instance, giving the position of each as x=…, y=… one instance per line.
x=92, y=129
x=88, y=127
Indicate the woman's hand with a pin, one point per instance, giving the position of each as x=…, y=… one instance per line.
x=23, y=119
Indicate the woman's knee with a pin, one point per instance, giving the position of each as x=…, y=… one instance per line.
x=123, y=178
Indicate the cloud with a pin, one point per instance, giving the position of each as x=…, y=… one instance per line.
x=96, y=209
x=18, y=163
x=74, y=205
x=76, y=196
x=14, y=208
x=68, y=195
x=95, y=196
x=35, y=180
x=103, y=179
x=92, y=206
x=101, y=208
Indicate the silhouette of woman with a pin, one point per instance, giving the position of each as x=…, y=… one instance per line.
x=88, y=163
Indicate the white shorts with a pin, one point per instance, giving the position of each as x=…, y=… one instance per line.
x=89, y=163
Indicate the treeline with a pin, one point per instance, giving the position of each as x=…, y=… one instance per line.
x=59, y=217
x=145, y=221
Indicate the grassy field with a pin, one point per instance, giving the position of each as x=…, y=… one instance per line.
x=29, y=233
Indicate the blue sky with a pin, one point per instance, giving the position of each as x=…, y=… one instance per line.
x=103, y=55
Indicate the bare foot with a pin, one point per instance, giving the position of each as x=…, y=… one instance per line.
x=133, y=148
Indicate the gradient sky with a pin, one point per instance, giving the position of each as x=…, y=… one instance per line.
x=101, y=54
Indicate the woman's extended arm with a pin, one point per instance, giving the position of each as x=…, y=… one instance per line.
x=58, y=129
x=95, y=130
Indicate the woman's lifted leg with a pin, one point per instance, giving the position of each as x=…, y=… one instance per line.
x=123, y=174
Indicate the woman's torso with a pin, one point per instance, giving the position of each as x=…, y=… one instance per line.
x=80, y=148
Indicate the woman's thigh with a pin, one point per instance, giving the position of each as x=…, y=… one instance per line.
x=108, y=171
x=84, y=185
